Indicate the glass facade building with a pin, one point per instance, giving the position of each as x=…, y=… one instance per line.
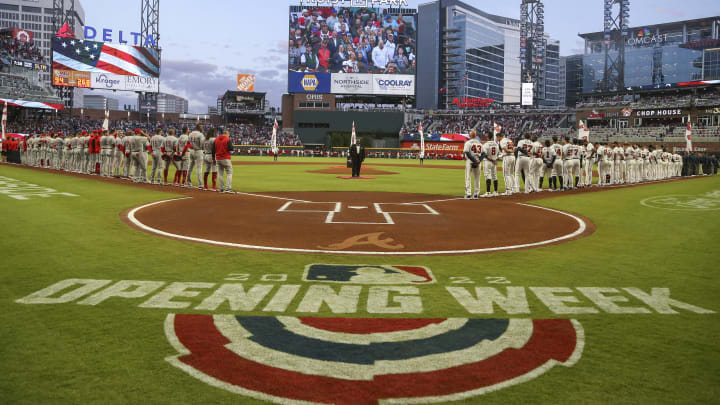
x=465, y=52
x=658, y=55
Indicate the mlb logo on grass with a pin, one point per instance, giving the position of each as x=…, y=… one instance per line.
x=368, y=274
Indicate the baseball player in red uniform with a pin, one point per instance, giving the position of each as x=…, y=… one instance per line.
x=223, y=148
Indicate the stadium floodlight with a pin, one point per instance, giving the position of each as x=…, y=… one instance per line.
x=532, y=46
x=616, y=30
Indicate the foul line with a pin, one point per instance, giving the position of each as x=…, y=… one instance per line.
x=582, y=226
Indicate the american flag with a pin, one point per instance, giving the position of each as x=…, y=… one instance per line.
x=422, y=140
x=464, y=78
x=353, y=137
x=101, y=57
x=273, y=140
x=4, y=120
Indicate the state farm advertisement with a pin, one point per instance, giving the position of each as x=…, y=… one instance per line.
x=441, y=148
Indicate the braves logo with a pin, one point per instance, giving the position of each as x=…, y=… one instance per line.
x=365, y=361
x=705, y=202
x=365, y=240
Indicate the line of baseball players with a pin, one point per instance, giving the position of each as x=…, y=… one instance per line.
x=124, y=154
x=568, y=164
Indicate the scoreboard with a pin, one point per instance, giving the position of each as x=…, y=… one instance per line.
x=70, y=78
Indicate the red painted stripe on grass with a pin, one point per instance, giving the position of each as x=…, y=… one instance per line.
x=551, y=339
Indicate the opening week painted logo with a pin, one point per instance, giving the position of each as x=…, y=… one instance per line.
x=363, y=361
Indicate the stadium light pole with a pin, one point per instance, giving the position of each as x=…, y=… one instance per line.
x=616, y=27
x=532, y=46
x=62, y=15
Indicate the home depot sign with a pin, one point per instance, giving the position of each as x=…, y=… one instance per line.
x=245, y=82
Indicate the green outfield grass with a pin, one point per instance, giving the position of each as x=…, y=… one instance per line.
x=114, y=352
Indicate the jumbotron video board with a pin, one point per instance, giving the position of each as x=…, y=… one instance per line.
x=103, y=65
x=351, y=47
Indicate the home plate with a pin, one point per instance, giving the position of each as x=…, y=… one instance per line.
x=356, y=178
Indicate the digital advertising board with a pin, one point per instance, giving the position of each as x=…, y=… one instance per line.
x=358, y=50
x=527, y=94
x=102, y=65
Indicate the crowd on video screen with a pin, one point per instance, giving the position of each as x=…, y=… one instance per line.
x=352, y=40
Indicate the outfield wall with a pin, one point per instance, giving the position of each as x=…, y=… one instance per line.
x=315, y=127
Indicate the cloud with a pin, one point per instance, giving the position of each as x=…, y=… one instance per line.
x=674, y=13
x=201, y=82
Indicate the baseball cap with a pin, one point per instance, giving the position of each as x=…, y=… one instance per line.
x=137, y=130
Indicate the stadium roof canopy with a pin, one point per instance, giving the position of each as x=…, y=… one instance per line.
x=696, y=23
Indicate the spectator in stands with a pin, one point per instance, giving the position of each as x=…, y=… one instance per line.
x=309, y=60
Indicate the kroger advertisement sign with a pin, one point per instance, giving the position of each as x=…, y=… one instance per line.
x=109, y=81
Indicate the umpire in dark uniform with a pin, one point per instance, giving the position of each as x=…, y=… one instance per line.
x=357, y=156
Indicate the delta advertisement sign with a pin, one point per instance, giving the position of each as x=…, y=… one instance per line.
x=343, y=83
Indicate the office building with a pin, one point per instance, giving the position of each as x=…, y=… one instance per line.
x=97, y=102
x=660, y=55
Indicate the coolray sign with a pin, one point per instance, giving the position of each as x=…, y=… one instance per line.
x=400, y=85
x=305, y=82
x=355, y=3
x=659, y=113
x=107, y=36
x=343, y=83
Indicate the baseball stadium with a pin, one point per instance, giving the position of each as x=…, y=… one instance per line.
x=442, y=202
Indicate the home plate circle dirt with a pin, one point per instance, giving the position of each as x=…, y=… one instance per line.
x=360, y=223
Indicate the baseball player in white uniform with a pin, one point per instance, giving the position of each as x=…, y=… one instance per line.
x=170, y=151
x=508, y=155
x=491, y=150
x=536, y=165
x=182, y=150
x=522, y=164
x=629, y=156
x=139, y=145
x=571, y=165
x=589, y=162
x=106, y=153
x=196, y=139
x=677, y=160
x=548, y=158
x=473, y=157
x=157, y=143
x=557, y=166
x=118, y=156
x=209, y=163
x=618, y=163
